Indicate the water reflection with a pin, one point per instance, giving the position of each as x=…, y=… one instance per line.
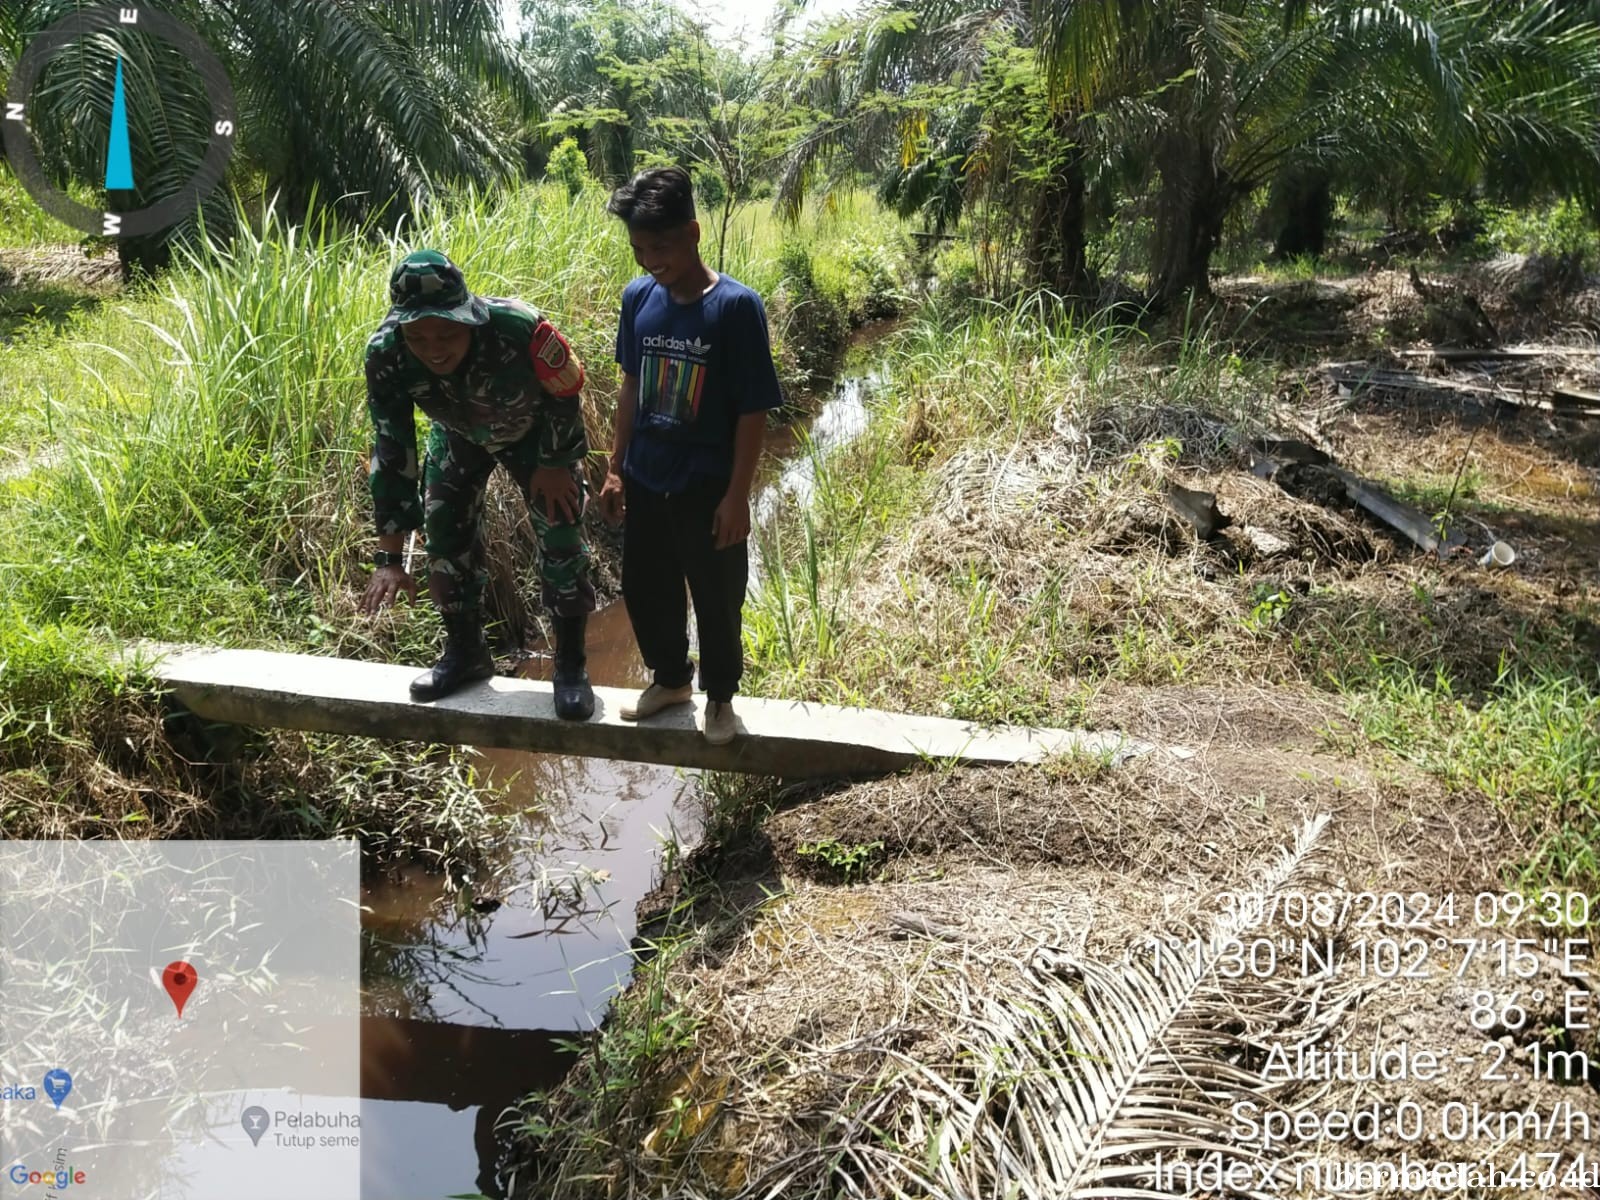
x=465, y=1008
x=554, y=950
x=841, y=420
x=443, y=1087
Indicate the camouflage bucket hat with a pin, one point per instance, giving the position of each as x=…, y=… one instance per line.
x=427, y=284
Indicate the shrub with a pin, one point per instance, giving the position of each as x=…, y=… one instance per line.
x=957, y=272
x=1561, y=231
x=877, y=275
x=568, y=166
x=815, y=317
x=709, y=189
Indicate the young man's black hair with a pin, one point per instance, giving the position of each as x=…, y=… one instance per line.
x=655, y=201
x=697, y=382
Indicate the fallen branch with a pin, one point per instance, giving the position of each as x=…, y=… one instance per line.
x=903, y=924
x=1502, y=353
x=1303, y=460
x=1564, y=400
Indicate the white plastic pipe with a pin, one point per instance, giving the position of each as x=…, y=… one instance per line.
x=1498, y=555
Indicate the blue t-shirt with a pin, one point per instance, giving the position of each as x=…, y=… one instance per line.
x=700, y=366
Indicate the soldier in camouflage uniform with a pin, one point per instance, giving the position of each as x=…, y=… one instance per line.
x=501, y=386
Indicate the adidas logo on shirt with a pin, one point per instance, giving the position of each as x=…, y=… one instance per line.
x=676, y=345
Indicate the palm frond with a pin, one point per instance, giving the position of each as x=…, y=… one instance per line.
x=804, y=160
x=861, y=66
x=933, y=185
x=10, y=41
x=1086, y=44
x=1066, y=1083
x=1086, y=1069
x=72, y=101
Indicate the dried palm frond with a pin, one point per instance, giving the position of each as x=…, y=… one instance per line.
x=1069, y=1081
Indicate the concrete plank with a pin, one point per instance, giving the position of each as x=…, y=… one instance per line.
x=790, y=739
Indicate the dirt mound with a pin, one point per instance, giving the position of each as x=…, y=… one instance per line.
x=1020, y=818
x=1148, y=817
x=1238, y=714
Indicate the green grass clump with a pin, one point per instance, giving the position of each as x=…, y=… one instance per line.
x=48, y=304
x=636, y=1073
x=1532, y=745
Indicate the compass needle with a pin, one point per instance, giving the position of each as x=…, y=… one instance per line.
x=119, y=158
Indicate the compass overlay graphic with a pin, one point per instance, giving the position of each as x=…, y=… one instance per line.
x=117, y=21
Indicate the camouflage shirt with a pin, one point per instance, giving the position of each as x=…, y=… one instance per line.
x=519, y=378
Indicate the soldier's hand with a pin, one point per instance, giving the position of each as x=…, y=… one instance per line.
x=611, y=503
x=385, y=588
x=558, y=488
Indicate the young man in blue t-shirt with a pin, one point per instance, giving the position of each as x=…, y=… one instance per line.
x=697, y=381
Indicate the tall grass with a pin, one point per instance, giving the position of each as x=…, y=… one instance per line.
x=800, y=616
x=212, y=432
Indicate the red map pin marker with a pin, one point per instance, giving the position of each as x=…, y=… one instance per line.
x=179, y=980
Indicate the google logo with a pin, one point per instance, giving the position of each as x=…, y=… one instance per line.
x=60, y=1180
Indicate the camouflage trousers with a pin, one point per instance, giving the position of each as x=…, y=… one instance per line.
x=456, y=478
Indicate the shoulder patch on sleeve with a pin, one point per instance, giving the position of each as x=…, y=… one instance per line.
x=559, y=370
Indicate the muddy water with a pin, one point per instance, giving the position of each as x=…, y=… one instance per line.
x=467, y=1007
x=464, y=1008
x=797, y=449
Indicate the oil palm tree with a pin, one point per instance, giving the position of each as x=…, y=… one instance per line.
x=858, y=73
x=936, y=88
x=367, y=103
x=1249, y=91
x=594, y=64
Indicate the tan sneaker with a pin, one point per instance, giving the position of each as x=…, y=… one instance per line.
x=720, y=725
x=653, y=699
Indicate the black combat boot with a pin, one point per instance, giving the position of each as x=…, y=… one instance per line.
x=466, y=659
x=574, y=696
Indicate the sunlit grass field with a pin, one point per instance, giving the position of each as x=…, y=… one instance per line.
x=24, y=223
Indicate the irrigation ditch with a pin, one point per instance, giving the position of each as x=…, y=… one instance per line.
x=1047, y=544
x=478, y=995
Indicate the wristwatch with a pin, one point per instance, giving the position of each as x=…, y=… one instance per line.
x=388, y=558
